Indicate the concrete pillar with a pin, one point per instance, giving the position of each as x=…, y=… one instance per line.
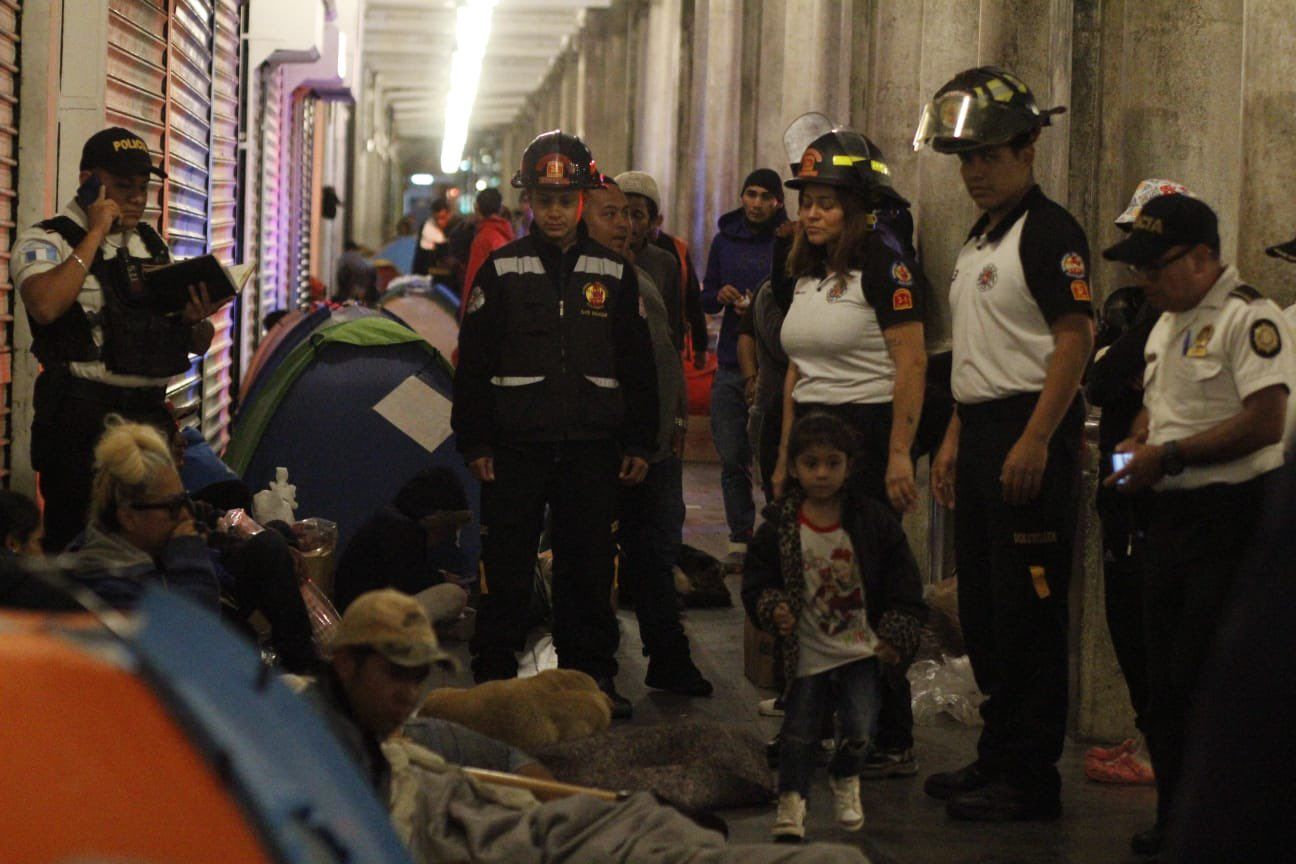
x=1269, y=159
x=1032, y=38
x=1085, y=184
x=769, y=58
x=569, y=115
x=752, y=56
x=1181, y=83
x=816, y=59
x=895, y=97
x=943, y=211
x=658, y=98
x=615, y=92
x=716, y=174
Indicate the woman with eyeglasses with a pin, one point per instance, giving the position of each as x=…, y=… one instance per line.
x=141, y=529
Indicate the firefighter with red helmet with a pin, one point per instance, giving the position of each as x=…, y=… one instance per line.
x=555, y=402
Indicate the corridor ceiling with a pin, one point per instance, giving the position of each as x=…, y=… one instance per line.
x=409, y=43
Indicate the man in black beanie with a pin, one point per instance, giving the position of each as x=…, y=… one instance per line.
x=739, y=261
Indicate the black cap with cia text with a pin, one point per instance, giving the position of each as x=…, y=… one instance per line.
x=1162, y=224
x=118, y=151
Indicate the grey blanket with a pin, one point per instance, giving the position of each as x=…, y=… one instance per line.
x=698, y=766
x=445, y=817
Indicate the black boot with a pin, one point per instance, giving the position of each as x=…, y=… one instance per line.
x=947, y=784
x=677, y=675
x=621, y=707
x=1000, y=801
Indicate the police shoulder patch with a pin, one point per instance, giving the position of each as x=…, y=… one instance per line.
x=901, y=300
x=1246, y=293
x=1265, y=338
x=31, y=251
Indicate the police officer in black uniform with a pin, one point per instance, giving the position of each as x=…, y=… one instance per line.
x=555, y=402
x=102, y=349
x=1022, y=333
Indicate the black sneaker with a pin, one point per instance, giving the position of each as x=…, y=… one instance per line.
x=1148, y=842
x=677, y=675
x=621, y=707
x=889, y=763
x=1003, y=802
x=947, y=784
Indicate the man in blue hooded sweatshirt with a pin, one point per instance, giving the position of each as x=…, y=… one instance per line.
x=739, y=261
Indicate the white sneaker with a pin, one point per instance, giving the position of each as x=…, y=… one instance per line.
x=846, y=802
x=789, y=823
x=770, y=707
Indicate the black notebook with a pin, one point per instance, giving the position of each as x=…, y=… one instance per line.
x=167, y=285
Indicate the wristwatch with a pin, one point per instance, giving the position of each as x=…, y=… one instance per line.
x=1172, y=462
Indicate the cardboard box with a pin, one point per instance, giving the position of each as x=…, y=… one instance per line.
x=758, y=655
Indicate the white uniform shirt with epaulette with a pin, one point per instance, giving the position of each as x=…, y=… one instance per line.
x=1202, y=364
x=38, y=251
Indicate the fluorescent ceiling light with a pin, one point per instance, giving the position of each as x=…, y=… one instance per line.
x=422, y=179
x=472, y=32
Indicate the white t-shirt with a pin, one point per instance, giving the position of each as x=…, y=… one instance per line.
x=37, y=251
x=833, y=629
x=1203, y=362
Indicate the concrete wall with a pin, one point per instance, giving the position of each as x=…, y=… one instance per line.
x=1199, y=92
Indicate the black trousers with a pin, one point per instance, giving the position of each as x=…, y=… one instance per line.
x=577, y=479
x=651, y=530
x=1197, y=540
x=265, y=580
x=1124, y=540
x=1014, y=571
x=872, y=425
x=68, y=422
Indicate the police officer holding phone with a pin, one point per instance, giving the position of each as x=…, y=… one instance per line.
x=102, y=349
x=1217, y=391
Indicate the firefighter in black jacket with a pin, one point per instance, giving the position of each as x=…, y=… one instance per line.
x=102, y=348
x=555, y=402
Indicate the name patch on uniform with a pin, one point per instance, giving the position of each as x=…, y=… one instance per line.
x=1265, y=339
x=595, y=295
x=900, y=273
x=476, y=300
x=1080, y=290
x=1198, y=347
x=39, y=250
x=988, y=276
x=1073, y=265
x=901, y=300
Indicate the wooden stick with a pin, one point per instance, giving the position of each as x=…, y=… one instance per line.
x=541, y=788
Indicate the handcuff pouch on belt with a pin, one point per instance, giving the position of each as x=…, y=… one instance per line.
x=136, y=341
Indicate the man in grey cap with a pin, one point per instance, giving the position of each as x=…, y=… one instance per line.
x=681, y=293
x=381, y=658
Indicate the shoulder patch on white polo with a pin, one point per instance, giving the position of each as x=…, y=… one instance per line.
x=1265, y=339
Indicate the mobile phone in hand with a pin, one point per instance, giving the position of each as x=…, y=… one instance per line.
x=88, y=192
x=1119, y=461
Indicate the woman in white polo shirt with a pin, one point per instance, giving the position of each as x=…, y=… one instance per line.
x=854, y=332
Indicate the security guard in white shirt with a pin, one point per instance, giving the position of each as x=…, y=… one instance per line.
x=1220, y=368
x=1022, y=333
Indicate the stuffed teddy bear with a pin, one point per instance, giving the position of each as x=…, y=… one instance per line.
x=529, y=713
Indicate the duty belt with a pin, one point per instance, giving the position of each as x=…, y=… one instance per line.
x=118, y=397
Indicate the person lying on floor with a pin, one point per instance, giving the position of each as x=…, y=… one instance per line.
x=382, y=655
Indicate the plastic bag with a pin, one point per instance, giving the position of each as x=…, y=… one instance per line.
x=323, y=615
x=238, y=523
x=945, y=685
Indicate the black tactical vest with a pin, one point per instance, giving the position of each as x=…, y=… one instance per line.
x=135, y=340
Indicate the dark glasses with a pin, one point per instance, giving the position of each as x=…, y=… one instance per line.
x=1148, y=271
x=174, y=505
